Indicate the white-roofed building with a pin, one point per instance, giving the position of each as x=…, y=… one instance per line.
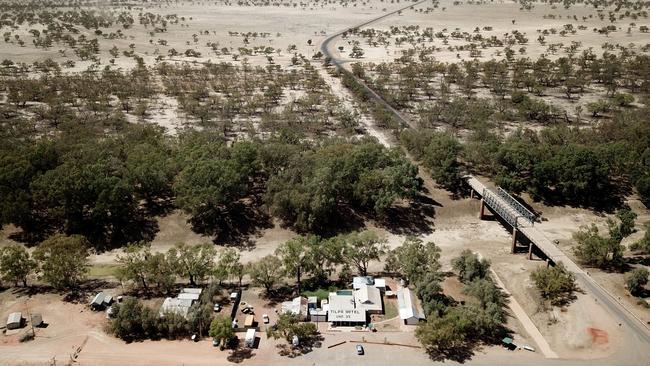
x=362, y=280
x=197, y=291
x=297, y=306
x=15, y=321
x=408, y=307
x=176, y=305
x=188, y=296
x=343, y=310
x=380, y=284
x=368, y=297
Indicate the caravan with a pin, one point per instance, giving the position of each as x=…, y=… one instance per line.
x=250, y=338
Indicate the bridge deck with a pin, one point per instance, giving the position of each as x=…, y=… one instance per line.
x=532, y=233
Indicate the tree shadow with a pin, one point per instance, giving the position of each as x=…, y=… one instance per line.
x=306, y=346
x=460, y=353
x=613, y=198
x=233, y=225
x=278, y=295
x=345, y=219
x=643, y=260
x=138, y=226
x=416, y=218
x=240, y=354
x=76, y=296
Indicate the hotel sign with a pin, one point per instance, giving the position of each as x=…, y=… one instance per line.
x=342, y=315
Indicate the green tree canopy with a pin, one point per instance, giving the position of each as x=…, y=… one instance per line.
x=310, y=192
x=213, y=177
x=470, y=267
x=63, y=260
x=636, y=280
x=266, y=272
x=221, y=330
x=595, y=250
x=15, y=264
x=295, y=257
x=144, y=268
x=361, y=248
x=643, y=245
x=289, y=325
x=414, y=259
x=555, y=284
x=196, y=262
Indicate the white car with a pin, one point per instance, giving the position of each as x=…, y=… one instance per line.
x=265, y=318
x=217, y=307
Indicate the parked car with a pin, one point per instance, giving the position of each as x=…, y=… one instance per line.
x=265, y=318
x=215, y=343
x=217, y=307
x=359, y=349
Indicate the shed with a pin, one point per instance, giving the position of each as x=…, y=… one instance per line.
x=359, y=281
x=98, y=301
x=188, y=296
x=178, y=306
x=37, y=320
x=297, y=306
x=408, y=310
x=15, y=321
x=197, y=291
x=318, y=315
x=380, y=284
x=108, y=300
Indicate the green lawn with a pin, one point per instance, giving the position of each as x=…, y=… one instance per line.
x=390, y=310
x=103, y=270
x=320, y=293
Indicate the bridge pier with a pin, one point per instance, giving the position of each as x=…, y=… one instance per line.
x=530, y=251
x=514, y=240
x=482, y=210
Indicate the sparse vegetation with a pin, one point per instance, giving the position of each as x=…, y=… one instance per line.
x=555, y=284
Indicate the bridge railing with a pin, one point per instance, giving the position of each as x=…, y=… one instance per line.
x=521, y=209
x=491, y=199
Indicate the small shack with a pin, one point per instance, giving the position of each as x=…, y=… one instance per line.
x=98, y=302
x=37, y=320
x=101, y=301
x=15, y=321
x=318, y=315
